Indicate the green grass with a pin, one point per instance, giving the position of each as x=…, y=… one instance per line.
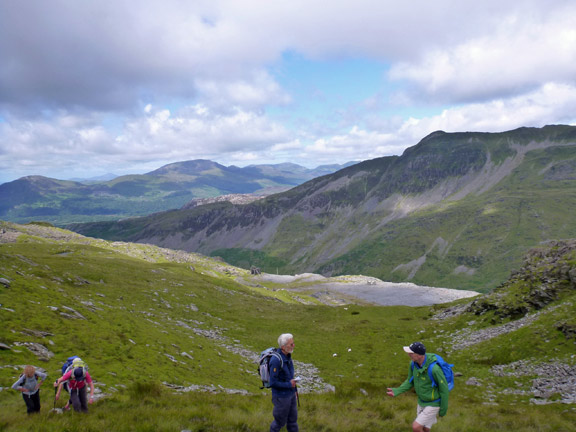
x=140, y=307
x=346, y=411
x=247, y=258
x=487, y=236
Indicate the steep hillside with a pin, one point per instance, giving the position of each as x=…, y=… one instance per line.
x=169, y=187
x=526, y=328
x=456, y=210
x=170, y=338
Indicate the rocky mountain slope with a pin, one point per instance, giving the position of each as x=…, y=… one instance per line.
x=456, y=210
x=232, y=198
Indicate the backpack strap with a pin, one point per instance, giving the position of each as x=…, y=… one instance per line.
x=430, y=367
x=277, y=354
x=23, y=378
x=412, y=366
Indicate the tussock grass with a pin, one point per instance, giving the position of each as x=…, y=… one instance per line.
x=334, y=412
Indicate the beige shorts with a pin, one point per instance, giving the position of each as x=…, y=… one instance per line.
x=426, y=416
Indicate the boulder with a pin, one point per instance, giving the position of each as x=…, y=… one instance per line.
x=39, y=350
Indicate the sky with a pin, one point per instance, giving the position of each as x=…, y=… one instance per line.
x=125, y=86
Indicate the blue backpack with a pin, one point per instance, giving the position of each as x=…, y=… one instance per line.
x=446, y=369
x=67, y=364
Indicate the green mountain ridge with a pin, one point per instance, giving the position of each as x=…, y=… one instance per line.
x=169, y=187
x=456, y=210
x=170, y=339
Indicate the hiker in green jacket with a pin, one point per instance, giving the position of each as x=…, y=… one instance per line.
x=431, y=400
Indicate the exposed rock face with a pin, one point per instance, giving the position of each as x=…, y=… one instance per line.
x=232, y=198
x=39, y=350
x=547, y=272
x=569, y=330
x=552, y=379
x=72, y=314
x=466, y=337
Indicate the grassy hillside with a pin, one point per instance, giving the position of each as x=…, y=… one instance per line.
x=474, y=242
x=456, y=210
x=147, y=319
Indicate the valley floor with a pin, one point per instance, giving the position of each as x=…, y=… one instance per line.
x=340, y=290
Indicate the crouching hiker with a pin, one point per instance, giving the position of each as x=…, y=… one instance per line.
x=428, y=379
x=29, y=384
x=77, y=378
x=283, y=385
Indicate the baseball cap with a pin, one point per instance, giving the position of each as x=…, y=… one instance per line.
x=416, y=348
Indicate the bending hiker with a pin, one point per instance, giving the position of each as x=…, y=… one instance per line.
x=432, y=400
x=29, y=384
x=77, y=378
x=65, y=368
x=283, y=384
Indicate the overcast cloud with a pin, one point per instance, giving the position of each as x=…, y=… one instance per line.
x=125, y=86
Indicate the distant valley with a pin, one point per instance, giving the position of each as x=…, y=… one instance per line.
x=457, y=210
x=60, y=202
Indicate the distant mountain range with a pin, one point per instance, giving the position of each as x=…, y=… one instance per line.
x=169, y=187
x=101, y=178
x=456, y=210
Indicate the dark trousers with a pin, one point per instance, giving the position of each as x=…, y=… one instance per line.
x=78, y=398
x=32, y=402
x=285, y=414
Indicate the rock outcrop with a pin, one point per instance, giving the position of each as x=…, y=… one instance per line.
x=547, y=273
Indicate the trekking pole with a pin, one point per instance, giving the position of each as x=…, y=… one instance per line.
x=54, y=407
x=297, y=397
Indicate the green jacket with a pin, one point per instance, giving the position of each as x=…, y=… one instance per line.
x=427, y=395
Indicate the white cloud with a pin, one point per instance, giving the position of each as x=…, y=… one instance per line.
x=193, y=132
x=244, y=136
x=547, y=105
x=552, y=103
x=202, y=130
x=108, y=54
x=356, y=143
x=287, y=146
x=259, y=91
x=523, y=52
x=115, y=85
